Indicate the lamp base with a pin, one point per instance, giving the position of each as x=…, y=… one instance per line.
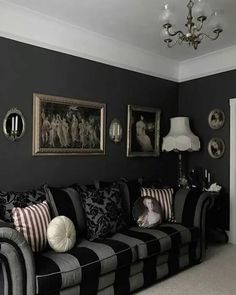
x=182, y=179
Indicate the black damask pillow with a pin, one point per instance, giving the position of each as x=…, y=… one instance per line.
x=9, y=200
x=103, y=210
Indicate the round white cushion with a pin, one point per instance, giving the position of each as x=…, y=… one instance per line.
x=61, y=234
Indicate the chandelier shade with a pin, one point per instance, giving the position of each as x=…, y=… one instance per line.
x=194, y=32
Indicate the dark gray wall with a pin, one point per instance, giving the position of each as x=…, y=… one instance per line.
x=196, y=99
x=26, y=69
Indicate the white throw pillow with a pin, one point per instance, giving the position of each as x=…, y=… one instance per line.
x=61, y=234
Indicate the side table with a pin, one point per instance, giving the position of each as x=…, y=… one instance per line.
x=218, y=218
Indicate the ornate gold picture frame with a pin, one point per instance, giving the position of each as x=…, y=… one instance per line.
x=66, y=126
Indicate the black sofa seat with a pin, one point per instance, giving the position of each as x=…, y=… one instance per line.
x=90, y=260
x=84, y=262
x=167, y=236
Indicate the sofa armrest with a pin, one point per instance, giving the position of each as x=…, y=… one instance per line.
x=190, y=209
x=17, y=269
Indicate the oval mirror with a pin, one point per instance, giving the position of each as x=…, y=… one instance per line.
x=115, y=131
x=14, y=124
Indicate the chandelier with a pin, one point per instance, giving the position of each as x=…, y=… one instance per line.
x=195, y=20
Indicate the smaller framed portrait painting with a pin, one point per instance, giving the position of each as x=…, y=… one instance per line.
x=216, y=148
x=216, y=119
x=143, y=132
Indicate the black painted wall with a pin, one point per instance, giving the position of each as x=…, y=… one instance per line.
x=26, y=69
x=196, y=99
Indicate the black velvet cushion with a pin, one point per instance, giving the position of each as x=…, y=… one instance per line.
x=103, y=210
x=134, y=194
x=9, y=200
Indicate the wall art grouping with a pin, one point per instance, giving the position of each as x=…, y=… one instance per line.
x=67, y=126
x=216, y=145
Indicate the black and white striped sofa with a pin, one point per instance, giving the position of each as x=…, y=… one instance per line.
x=130, y=260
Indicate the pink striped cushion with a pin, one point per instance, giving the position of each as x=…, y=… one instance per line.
x=164, y=197
x=32, y=222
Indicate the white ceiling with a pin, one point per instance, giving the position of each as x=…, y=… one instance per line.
x=135, y=22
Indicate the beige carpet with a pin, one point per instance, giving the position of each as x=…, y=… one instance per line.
x=215, y=276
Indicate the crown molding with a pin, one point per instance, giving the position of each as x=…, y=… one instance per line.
x=208, y=64
x=28, y=26
x=37, y=29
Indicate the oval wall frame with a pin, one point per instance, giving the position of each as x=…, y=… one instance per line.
x=216, y=119
x=216, y=147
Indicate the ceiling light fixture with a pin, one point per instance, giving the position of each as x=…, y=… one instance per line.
x=195, y=20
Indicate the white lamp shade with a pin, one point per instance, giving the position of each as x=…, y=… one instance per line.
x=180, y=137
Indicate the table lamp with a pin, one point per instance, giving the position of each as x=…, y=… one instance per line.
x=180, y=139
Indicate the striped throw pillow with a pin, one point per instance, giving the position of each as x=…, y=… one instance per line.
x=164, y=197
x=32, y=222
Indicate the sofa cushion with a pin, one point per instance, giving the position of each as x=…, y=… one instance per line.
x=85, y=262
x=134, y=193
x=32, y=222
x=164, y=197
x=11, y=199
x=150, y=242
x=124, y=194
x=61, y=234
x=67, y=202
x=147, y=212
x=103, y=210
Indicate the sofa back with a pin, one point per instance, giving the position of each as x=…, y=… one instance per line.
x=9, y=200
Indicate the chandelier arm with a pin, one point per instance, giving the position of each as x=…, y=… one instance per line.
x=201, y=20
x=174, y=33
x=217, y=33
x=172, y=44
x=198, y=28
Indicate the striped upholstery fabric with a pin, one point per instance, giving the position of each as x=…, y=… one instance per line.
x=136, y=276
x=67, y=202
x=86, y=261
x=151, y=242
x=164, y=197
x=117, y=269
x=32, y=222
x=89, y=262
x=190, y=207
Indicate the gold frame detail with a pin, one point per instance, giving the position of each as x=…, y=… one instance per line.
x=38, y=150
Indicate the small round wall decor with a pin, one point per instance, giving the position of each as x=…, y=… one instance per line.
x=216, y=119
x=216, y=147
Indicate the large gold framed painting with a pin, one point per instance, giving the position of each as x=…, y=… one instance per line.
x=66, y=126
